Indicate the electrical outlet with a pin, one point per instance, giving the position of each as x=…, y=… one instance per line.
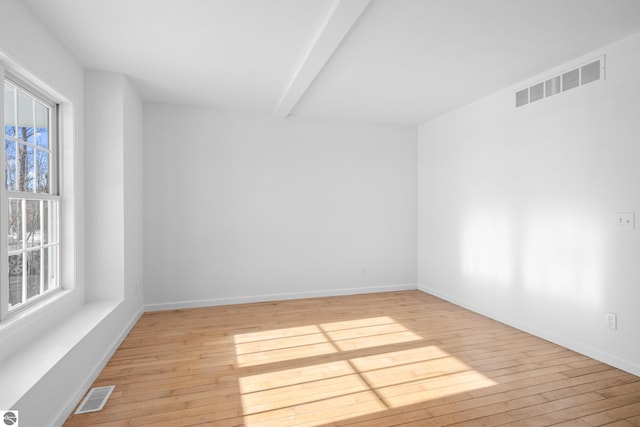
x=612, y=320
x=626, y=220
x=363, y=270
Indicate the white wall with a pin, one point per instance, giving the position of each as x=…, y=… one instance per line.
x=114, y=187
x=516, y=210
x=133, y=194
x=242, y=207
x=105, y=184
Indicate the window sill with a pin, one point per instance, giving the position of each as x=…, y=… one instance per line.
x=22, y=370
x=23, y=319
x=24, y=312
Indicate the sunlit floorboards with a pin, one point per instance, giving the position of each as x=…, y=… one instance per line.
x=400, y=358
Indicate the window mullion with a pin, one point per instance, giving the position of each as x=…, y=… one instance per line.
x=24, y=250
x=31, y=196
x=41, y=269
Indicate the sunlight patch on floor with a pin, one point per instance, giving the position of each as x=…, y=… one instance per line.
x=279, y=391
x=349, y=385
x=278, y=345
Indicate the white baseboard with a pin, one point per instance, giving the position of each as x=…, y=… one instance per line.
x=91, y=377
x=276, y=297
x=588, y=351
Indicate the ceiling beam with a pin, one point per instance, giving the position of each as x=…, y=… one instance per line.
x=340, y=18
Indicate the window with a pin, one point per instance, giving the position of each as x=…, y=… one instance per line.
x=30, y=199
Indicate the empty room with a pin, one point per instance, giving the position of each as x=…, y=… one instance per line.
x=320, y=213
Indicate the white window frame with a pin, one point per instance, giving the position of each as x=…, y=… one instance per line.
x=53, y=195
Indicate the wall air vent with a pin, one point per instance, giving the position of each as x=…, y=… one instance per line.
x=590, y=72
x=570, y=79
x=536, y=92
x=552, y=86
x=522, y=97
x=95, y=399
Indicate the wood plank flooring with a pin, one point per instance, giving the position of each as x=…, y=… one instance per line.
x=387, y=359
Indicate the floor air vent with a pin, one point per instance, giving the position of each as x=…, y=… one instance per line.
x=579, y=76
x=95, y=399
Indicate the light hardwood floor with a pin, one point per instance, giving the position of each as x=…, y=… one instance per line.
x=399, y=358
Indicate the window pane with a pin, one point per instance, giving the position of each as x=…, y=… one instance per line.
x=25, y=117
x=43, y=171
x=26, y=168
x=42, y=125
x=9, y=110
x=49, y=267
x=45, y=269
x=10, y=170
x=45, y=222
x=49, y=223
x=15, y=225
x=15, y=280
x=34, y=236
x=33, y=273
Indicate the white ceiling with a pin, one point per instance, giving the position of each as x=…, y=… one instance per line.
x=392, y=61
